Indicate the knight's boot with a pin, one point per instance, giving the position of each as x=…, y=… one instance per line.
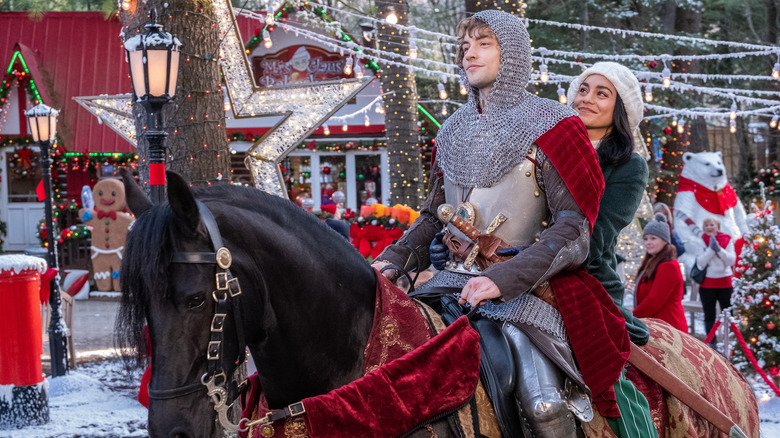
x=540, y=390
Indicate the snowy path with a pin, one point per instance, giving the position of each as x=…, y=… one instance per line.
x=98, y=400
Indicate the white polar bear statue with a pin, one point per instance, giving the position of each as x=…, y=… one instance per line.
x=704, y=191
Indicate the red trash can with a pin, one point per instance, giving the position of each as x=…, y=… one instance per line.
x=21, y=342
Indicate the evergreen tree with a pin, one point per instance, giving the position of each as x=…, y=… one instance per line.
x=757, y=294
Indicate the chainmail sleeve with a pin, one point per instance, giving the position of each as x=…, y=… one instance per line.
x=564, y=245
x=420, y=234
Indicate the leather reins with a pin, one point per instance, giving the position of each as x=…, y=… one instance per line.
x=226, y=296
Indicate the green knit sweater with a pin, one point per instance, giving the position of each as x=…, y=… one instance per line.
x=624, y=188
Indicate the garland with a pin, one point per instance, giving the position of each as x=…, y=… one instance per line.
x=373, y=145
x=75, y=232
x=385, y=222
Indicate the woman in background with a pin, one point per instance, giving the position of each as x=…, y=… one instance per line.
x=664, y=209
x=659, y=289
x=718, y=258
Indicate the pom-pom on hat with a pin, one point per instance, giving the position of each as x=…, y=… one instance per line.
x=627, y=86
x=658, y=227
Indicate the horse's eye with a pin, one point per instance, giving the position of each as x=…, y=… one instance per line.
x=195, y=301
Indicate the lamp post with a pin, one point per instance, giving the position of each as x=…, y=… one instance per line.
x=154, y=67
x=43, y=124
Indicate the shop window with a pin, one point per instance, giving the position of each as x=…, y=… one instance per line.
x=24, y=174
x=368, y=172
x=333, y=180
x=297, y=177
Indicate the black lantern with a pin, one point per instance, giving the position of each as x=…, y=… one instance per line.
x=43, y=126
x=154, y=67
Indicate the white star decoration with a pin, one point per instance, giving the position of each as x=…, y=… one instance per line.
x=305, y=106
x=115, y=111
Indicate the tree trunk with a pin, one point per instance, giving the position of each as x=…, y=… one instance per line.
x=585, y=16
x=773, y=137
x=746, y=156
x=195, y=119
x=694, y=136
x=406, y=176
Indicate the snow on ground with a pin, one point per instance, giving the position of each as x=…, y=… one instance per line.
x=98, y=400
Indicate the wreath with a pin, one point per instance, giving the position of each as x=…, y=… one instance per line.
x=24, y=162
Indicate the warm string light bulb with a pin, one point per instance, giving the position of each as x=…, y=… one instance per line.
x=348, y=66
x=412, y=47
x=269, y=16
x=674, y=121
x=733, y=126
x=667, y=74
x=733, y=111
x=463, y=89
x=325, y=129
x=444, y=110
x=126, y=4
x=773, y=123
x=543, y=75
x=344, y=127
x=681, y=126
x=776, y=70
x=648, y=93
x=442, y=91
x=267, y=39
x=562, y=95
x=391, y=17
x=366, y=122
x=358, y=70
x=380, y=108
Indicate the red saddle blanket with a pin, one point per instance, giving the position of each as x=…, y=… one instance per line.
x=407, y=381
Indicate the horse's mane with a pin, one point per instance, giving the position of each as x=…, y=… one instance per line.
x=150, y=246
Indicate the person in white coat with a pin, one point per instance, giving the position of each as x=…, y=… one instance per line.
x=718, y=257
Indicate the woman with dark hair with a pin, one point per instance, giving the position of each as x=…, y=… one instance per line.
x=608, y=99
x=659, y=288
x=609, y=102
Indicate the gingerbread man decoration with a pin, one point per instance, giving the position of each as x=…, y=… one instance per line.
x=109, y=230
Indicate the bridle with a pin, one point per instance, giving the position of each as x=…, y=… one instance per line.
x=227, y=295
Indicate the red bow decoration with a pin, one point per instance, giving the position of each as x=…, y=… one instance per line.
x=101, y=214
x=24, y=158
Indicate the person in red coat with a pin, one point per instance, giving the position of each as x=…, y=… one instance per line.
x=659, y=289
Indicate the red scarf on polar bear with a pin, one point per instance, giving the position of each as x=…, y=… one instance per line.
x=716, y=202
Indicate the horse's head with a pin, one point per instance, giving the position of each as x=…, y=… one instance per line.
x=169, y=280
x=305, y=310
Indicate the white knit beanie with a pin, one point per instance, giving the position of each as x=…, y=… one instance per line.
x=627, y=86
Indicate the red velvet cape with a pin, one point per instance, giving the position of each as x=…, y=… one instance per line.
x=596, y=328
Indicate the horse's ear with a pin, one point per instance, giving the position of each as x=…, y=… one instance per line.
x=182, y=201
x=137, y=202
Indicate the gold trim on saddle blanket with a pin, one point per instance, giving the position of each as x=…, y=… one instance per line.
x=486, y=417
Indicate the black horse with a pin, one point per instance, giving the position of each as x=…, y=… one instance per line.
x=306, y=310
x=282, y=255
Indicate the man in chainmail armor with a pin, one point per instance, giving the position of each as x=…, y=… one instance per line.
x=520, y=170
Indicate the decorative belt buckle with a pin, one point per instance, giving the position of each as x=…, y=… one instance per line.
x=467, y=211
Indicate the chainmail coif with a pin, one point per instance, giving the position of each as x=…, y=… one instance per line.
x=476, y=150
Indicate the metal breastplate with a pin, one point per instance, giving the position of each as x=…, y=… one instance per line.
x=517, y=196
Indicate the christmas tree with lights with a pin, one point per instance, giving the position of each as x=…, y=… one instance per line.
x=757, y=294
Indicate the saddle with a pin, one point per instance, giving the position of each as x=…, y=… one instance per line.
x=497, y=365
